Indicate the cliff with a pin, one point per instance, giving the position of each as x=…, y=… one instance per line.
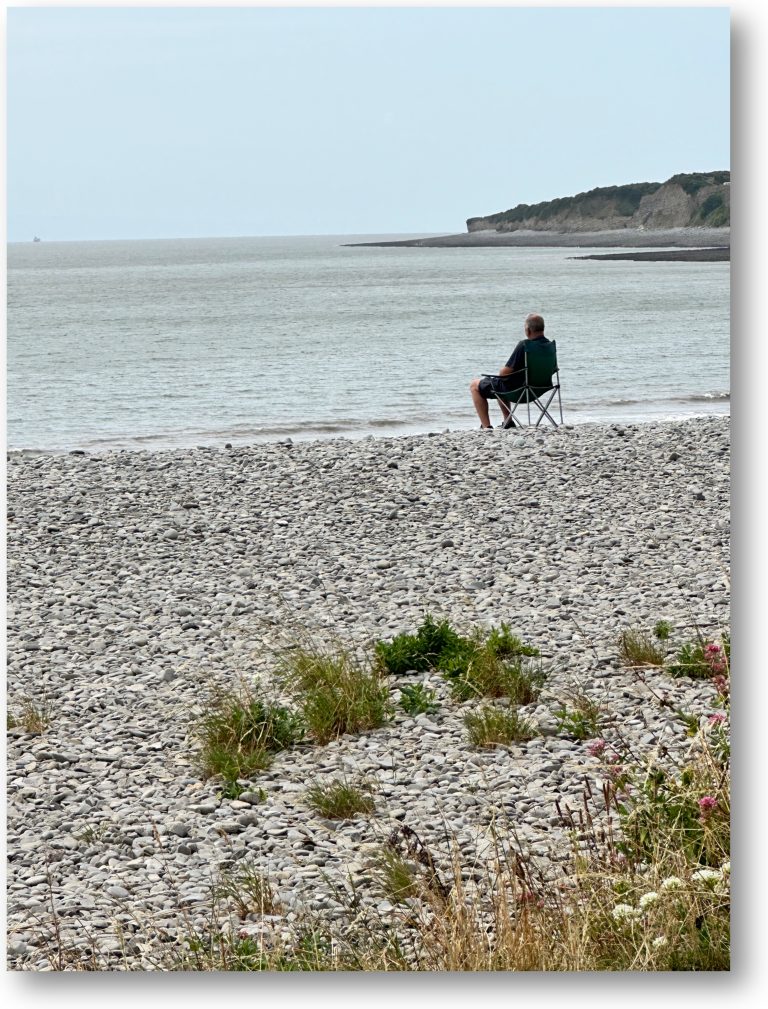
x=694, y=200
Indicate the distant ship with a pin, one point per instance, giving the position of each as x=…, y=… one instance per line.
x=35, y=239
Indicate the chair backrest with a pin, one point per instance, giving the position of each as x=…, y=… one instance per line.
x=541, y=362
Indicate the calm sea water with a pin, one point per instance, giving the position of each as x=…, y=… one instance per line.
x=152, y=344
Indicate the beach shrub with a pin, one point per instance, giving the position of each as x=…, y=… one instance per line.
x=481, y=664
x=341, y=799
x=416, y=699
x=417, y=652
x=335, y=693
x=492, y=725
x=238, y=735
x=637, y=648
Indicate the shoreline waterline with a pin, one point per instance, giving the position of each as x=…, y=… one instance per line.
x=385, y=430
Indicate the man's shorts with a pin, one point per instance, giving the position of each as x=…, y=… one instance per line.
x=491, y=384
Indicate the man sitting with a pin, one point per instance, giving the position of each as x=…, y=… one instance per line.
x=511, y=376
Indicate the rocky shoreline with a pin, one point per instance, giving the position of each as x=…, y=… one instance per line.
x=139, y=581
x=617, y=238
x=716, y=255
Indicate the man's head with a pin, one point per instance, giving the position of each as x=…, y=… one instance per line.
x=534, y=326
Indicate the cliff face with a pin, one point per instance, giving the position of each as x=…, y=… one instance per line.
x=684, y=201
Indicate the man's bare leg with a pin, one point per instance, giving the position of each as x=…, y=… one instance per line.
x=481, y=403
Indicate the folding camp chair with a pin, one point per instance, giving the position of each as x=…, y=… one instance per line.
x=540, y=384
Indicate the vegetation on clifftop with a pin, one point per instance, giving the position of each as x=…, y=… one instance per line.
x=620, y=206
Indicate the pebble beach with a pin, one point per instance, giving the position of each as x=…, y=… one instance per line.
x=138, y=582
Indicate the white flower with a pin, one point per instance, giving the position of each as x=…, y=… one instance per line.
x=625, y=912
x=648, y=900
x=659, y=941
x=671, y=883
x=708, y=876
x=725, y=868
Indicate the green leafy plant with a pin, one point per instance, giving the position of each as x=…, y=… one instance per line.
x=662, y=630
x=416, y=699
x=477, y=665
x=702, y=659
x=417, y=652
x=582, y=720
x=492, y=725
x=341, y=799
x=335, y=693
x=669, y=811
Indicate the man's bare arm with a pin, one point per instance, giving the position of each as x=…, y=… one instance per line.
x=505, y=371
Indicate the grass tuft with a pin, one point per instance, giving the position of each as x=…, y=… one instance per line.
x=398, y=877
x=335, y=693
x=247, y=889
x=341, y=799
x=238, y=734
x=637, y=648
x=491, y=726
x=32, y=717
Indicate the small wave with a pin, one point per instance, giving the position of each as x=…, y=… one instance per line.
x=706, y=397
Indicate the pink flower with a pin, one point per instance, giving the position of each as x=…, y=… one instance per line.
x=707, y=804
x=596, y=748
x=721, y=685
x=715, y=656
x=717, y=719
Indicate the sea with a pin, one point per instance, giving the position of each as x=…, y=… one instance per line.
x=180, y=343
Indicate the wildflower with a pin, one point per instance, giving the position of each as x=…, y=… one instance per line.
x=671, y=883
x=625, y=912
x=596, y=748
x=721, y=685
x=659, y=941
x=614, y=771
x=725, y=868
x=707, y=804
x=715, y=656
x=708, y=876
x=648, y=900
x=717, y=719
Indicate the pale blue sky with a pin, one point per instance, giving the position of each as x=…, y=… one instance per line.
x=180, y=122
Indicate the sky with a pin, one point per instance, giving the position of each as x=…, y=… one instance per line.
x=146, y=122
